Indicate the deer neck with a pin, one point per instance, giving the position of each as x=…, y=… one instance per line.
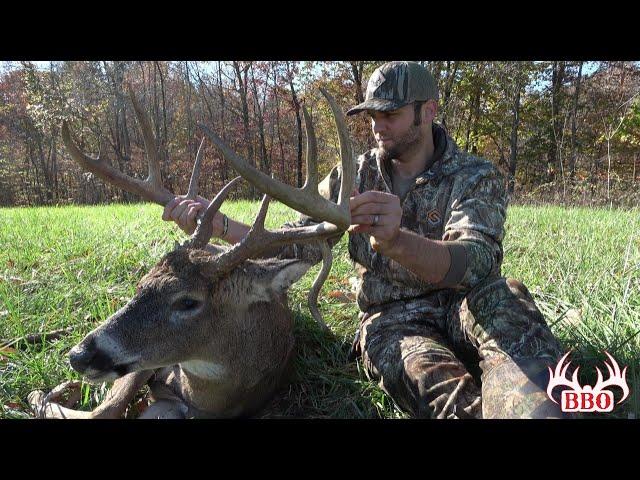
x=210, y=391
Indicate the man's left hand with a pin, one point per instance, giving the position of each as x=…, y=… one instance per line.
x=379, y=214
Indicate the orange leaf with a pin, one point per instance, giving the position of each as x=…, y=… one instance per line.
x=341, y=297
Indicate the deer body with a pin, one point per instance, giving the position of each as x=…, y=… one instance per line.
x=209, y=328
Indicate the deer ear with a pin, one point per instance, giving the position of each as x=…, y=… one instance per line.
x=272, y=276
x=286, y=273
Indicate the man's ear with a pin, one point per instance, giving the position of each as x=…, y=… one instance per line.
x=430, y=110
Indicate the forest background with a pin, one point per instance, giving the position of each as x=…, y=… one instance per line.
x=563, y=132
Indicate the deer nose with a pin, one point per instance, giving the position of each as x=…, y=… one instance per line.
x=87, y=357
x=81, y=356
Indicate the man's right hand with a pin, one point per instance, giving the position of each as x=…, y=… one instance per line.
x=183, y=211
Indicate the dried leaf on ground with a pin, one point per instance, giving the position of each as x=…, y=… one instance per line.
x=5, y=353
x=572, y=317
x=341, y=296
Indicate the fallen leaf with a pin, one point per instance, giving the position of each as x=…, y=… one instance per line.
x=8, y=351
x=572, y=317
x=13, y=405
x=341, y=297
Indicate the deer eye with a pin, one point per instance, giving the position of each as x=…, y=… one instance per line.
x=185, y=304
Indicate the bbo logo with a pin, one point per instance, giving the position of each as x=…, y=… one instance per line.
x=586, y=398
x=434, y=217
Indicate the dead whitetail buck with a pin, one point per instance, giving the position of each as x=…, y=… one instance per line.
x=209, y=329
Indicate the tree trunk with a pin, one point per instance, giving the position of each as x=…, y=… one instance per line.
x=356, y=71
x=576, y=96
x=241, y=77
x=451, y=72
x=48, y=186
x=296, y=105
x=265, y=162
x=54, y=165
x=190, y=123
x=225, y=166
x=514, y=135
x=436, y=70
x=164, y=140
x=283, y=175
x=120, y=135
x=474, y=113
x=557, y=79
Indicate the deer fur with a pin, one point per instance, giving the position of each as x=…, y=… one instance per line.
x=225, y=357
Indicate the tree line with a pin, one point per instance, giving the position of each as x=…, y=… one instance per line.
x=562, y=131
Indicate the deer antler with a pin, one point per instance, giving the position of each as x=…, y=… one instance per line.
x=150, y=189
x=336, y=217
x=306, y=200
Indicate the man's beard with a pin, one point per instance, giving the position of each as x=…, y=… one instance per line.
x=404, y=144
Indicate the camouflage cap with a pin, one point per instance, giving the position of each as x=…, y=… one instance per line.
x=396, y=84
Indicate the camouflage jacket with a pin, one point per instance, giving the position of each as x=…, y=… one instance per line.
x=460, y=199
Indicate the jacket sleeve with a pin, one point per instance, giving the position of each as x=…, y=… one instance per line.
x=475, y=228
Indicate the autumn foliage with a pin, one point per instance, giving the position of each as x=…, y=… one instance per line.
x=560, y=131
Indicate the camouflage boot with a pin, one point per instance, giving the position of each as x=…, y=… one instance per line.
x=500, y=318
x=517, y=389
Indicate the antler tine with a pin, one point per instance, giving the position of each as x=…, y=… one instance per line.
x=204, y=229
x=258, y=223
x=195, y=175
x=155, y=177
x=311, y=184
x=106, y=172
x=346, y=158
x=259, y=240
x=307, y=202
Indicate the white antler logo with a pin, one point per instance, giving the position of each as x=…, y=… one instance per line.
x=587, y=398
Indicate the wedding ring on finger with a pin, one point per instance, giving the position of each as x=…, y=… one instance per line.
x=376, y=219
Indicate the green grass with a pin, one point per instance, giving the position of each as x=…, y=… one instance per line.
x=75, y=266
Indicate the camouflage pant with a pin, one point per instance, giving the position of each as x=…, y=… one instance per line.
x=484, y=356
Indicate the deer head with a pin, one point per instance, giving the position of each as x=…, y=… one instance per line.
x=203, y=303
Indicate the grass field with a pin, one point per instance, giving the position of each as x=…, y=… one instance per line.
x=75, y=266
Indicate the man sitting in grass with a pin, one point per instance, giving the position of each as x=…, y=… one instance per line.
x=444, y=333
